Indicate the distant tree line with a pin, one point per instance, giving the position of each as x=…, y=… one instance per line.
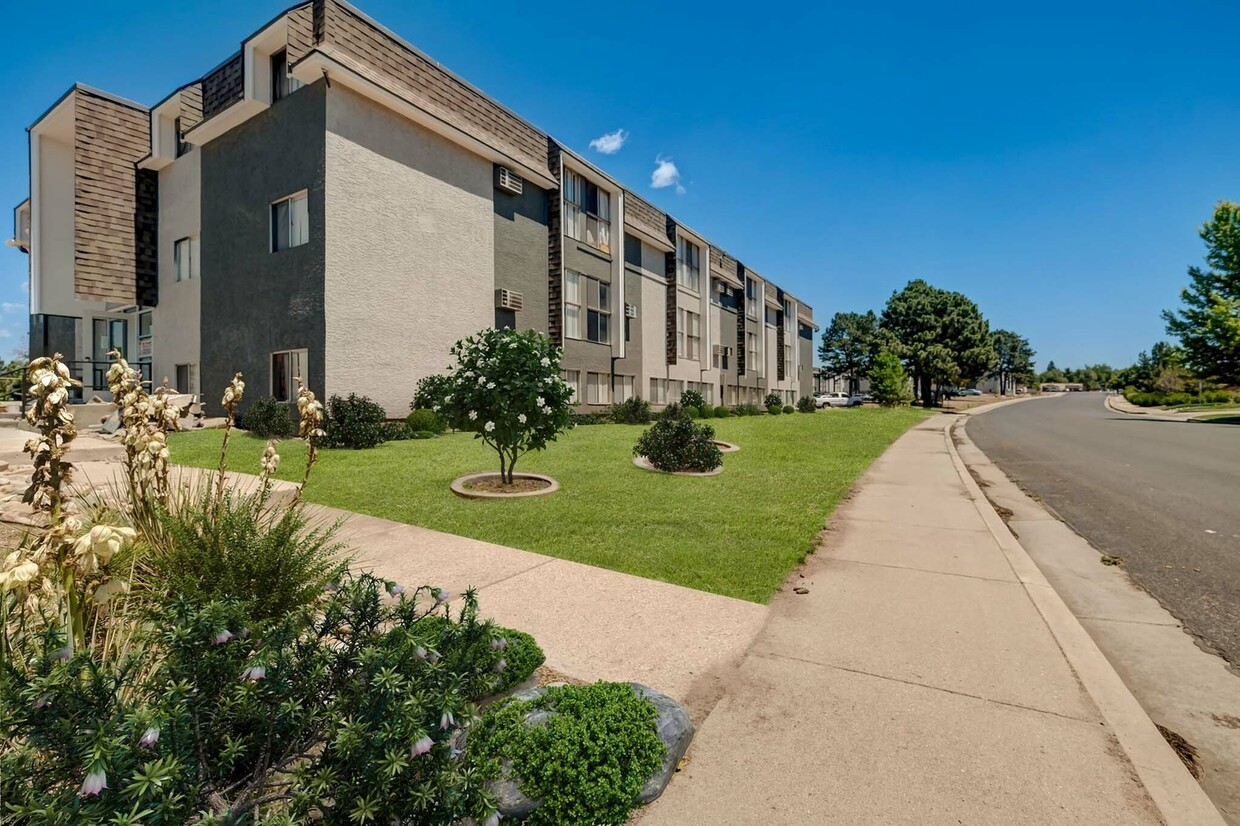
x=930, y=338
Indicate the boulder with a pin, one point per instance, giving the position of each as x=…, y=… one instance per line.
x=674, y=728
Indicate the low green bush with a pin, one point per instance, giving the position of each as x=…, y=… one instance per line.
x=805, y=404
x=1214, y=397
x=775, y=409
x=587, y=763
x=692, y=398
x=722, y=412
x=674, y=443
x=492, y=659
x=354, y=422
x=423, y=434
x=789, y=408
x=396, y=432
x=634, y=410
x=708, y=412
x=269, y=419
x=773, y=400
x=426, y=419
x=746, y=410
x=693, y=412
x=579, y=419
x=431, y=393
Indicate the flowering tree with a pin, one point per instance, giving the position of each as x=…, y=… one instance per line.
x=506, y=389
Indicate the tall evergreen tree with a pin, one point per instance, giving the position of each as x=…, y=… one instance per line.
x=1013, y=359
x=848, y=346
x=940, y=335
x=1208, y=322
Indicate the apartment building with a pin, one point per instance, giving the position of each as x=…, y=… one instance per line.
x=330, y=203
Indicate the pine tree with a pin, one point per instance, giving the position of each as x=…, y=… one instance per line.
x=889, y=383
x=1208, y=323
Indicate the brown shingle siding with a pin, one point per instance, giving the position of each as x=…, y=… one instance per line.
x=109, y=139
x=300, y=33
x=191, y=106
x=425, y=83
x=642, y=215
x=223, y=87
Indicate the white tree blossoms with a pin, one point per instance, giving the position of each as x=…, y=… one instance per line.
x=506, y=389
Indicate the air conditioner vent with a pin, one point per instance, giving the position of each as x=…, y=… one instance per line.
x=508, y=300
x=509, y=181
x=721, y=288
x=630, y=311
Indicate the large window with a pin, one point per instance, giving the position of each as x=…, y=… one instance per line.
x=185, y=258
x=587, y=212
x=282, y=83
x=751, y=353
x=688, y=335
x=573, y=379
x=290, y=222
x=595, y=323
x=688, y=264
x=720, y=356
x=624, y=388
x=598, y=388
x=658, y=391
x=752, y=289
x=287, y=365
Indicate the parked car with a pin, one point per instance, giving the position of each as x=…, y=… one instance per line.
x=857, y=399
x=971, y=391
x=831, y=400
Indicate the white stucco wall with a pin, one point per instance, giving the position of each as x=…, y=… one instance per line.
x=409, y=251
x=53, y=200
x=176, y=321
x=654, y=314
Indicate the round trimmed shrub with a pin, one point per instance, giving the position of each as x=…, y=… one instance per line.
x=634, y=410
x=692, y=398
x=355, y=422
x=269, y=419
x=693, y=412
x=426, y=419
x=722, y=412
x=431, y=393
x=708, y=412
x=775, y=409
x=789, y=408
x=805, y=404
x=676, y=444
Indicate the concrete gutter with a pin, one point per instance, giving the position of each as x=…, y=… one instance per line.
x=1178, y=797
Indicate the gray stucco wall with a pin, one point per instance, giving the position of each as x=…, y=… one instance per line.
x=255, y=301
x=586, y=260
x=805, y=381
x=521, y=252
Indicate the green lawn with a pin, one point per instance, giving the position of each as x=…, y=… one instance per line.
x=1219, y=418
x=737, y=534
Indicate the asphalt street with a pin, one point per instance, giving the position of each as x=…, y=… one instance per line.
x=1163, y=496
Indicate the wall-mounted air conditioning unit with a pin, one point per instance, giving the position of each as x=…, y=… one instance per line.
x=630, y=311
x=721, y=288
x=508, y=300
x=509, y=181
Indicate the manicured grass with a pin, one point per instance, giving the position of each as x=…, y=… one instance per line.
x=1219, y=418
x=736, y=534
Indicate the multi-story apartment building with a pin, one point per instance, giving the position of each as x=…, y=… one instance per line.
x=329, y=202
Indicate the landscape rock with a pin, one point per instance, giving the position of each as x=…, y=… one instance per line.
x=674, y=728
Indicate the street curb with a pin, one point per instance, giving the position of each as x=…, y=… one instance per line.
x=1177, y=796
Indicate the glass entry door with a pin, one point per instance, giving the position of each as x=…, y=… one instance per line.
x=109, y=334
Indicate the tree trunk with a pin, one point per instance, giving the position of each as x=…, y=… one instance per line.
x=927, y=398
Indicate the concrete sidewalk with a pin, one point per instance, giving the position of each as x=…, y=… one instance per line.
x=916, y=682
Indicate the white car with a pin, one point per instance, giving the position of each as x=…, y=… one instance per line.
x=833, y=400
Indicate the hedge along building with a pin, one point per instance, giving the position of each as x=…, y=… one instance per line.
x=330, y=203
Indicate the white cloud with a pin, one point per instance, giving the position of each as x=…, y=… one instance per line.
x=610, y=143
x=11, y=307
x=666, y=174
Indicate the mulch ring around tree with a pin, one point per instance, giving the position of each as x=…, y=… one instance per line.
x=644, y=463
x=492, y=486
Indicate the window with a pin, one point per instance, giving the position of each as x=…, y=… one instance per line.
x=658, y=391
x=751, y=352
x=689, y=335
x=787, y=359
x=144, y=324
x=573, y=379
x=688, y=269
x=587, y=212
x=290, y=222
x=185, y=258
x=707, y=390
x=624, y=388
x=596, y=324
x=598, y=388
x=187, y=378
x=282, y=83
x=720, y=356
x=182, y=146
x=286, y=365
x=751, y=298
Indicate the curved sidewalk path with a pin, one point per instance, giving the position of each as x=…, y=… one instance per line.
x=916, y=682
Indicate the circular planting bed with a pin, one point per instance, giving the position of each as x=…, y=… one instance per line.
x=490, y=486
x=725, y=447
x=644, y=463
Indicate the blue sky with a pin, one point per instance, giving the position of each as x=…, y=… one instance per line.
x=1053, y=163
